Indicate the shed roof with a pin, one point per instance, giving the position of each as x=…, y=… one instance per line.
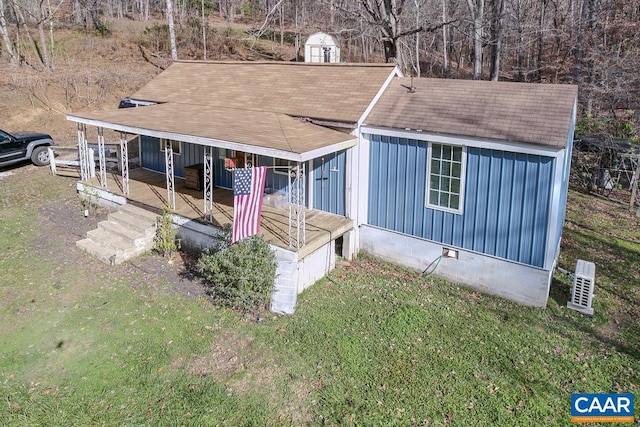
x=332, y=92
x=322, y=39
x=503, y=111
x=263, y=131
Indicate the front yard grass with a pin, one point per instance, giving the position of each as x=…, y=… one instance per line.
x=373, y=344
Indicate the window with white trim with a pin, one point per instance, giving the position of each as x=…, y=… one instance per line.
x=445, y=177
x=176, y=146
x=281, y=166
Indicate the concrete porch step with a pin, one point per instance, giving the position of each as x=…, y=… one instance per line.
x=139, y=212
x=125, y=234
x=137, y=238
x=99, y=251
x=135, y=223
x=112, y=242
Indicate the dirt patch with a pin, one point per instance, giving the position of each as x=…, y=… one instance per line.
x=63, y=223
x=226, y=359
x=244, y=368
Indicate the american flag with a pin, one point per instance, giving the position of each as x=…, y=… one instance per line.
x=248, y=187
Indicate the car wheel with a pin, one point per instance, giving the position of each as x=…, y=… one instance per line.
x=40, y=156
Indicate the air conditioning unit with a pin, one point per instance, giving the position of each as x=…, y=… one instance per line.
x=583, y=284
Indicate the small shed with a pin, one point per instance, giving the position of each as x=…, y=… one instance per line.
x=321, y=47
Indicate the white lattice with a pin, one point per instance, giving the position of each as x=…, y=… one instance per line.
x=101, y=157
x=297, y=213
x=168, y=156
x=124, y=162
x=208, y=184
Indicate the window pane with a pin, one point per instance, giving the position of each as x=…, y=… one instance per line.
x=446, y=152
x=456, y=169
x=433, y=197
x=436, y=151
x=455, y=201
x=455, y=186
x=444, y=200
x=435, y=183
x=444, y=183
x=457, y=154
x=435, y=166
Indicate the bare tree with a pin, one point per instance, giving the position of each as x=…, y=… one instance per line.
x=172, y=31
x=4, y=31
x=496, y=40
x=476, y=10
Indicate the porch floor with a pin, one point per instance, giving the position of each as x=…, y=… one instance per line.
x=149, y=189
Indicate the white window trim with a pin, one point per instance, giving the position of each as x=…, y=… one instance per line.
x=278, y=169
x=463, y=179
x=163, y=143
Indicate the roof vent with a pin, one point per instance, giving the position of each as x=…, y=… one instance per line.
x=583, y=284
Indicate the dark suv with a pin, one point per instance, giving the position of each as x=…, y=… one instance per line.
x=21, y=146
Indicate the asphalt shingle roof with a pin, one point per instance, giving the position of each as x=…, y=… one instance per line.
x=501, y=111
x=333, y=92
x=268, y=130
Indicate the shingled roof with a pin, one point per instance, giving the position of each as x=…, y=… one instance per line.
x=503, y=111
x=263, y=131
x=254, y=106
x=332, y=92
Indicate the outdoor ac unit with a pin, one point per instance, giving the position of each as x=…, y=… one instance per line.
x=583, y=284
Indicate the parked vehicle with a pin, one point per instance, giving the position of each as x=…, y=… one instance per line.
x=21, y=146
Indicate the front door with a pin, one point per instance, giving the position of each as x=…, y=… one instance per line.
x=329, y=174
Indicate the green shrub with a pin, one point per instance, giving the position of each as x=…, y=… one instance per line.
x=165, y=242
x=239, y=275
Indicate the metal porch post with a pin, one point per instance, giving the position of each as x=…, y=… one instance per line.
x=124, y=162
x=297, y=214
x=83, y=156
x=168, y=156
x=208, y=184
x=101, y=156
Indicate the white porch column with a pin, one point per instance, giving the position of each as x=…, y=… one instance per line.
x=297, y=213
x=168, y=156
x=124, y=162
x=101, y=157
x=208, y=184
x=83, y=155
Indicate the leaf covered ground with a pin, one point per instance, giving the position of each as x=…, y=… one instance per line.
x=83, y=343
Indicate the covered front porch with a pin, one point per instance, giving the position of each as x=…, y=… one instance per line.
x=148, y=189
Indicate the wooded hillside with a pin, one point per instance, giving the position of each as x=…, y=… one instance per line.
x=592, y=43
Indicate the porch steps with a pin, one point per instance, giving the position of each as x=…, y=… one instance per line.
x=125, y=234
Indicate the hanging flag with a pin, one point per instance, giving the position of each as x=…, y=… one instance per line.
x=248, y=188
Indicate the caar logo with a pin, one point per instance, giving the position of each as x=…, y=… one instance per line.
x=601, y=408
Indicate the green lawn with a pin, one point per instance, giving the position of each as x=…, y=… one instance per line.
x=375, y=344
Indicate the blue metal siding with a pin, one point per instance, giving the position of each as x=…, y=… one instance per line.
x=506, y=207
x=152, y=158
x=329, y=174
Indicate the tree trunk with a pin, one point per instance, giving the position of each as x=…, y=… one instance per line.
x=496, y=45
x=172, y=31
x=23, y=23
x=43, y=44
x=477, y=16
x=390, y=50
x=8, y=46
x=445, y=45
